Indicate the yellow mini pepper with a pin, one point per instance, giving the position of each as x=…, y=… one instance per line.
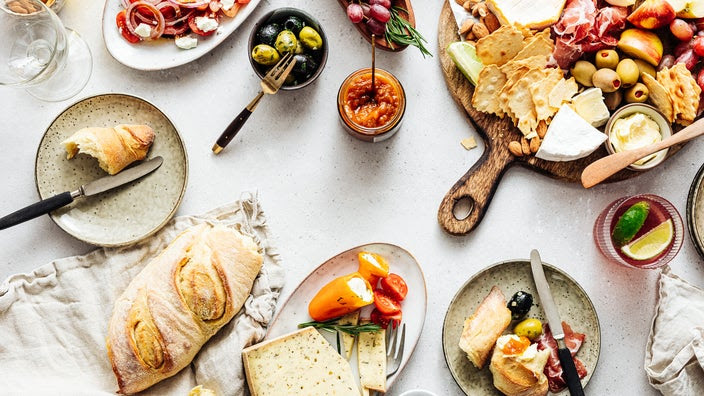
x=372, y=266
x=340, y=297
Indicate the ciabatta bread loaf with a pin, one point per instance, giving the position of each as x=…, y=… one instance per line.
x=484, y=326
x=177, y=302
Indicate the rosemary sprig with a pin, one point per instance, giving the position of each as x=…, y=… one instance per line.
x=400, y=31
x=332, y=326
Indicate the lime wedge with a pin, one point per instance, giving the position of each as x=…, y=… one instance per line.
x=630, y=223
x=465, y=57
x=651, y=243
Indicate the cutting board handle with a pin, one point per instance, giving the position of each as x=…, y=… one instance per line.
x=478, y=186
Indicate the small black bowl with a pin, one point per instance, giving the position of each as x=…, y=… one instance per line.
x=278, y=15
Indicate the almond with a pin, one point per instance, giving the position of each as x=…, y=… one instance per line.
x=542, y=128
x=535, y=144
x=467, y=5
x=480, y=10
x=525, y=147
x=491, y=22
x=479, y=30
x=466, y=25
x=515, y=148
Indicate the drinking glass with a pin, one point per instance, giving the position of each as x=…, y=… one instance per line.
x=39, y=54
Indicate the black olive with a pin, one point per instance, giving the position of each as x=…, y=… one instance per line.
x=267, y=33
x=294, y=24
x=520, y=304
x=305, y=67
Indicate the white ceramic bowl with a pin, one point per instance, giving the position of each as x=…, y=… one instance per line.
x=652, y=112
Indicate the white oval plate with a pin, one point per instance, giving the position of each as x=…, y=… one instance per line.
x=163, y=53
x=295, y=309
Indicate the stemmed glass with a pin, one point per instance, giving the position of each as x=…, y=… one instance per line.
x=39, y=54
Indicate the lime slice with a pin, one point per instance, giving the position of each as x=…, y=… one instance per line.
x=651, y=243
x=465, y=57
x=630, y=223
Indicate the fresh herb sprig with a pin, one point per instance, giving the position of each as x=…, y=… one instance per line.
x=400, y=31
x=332, y=326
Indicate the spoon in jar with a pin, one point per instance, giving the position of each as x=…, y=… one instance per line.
x=373, y=93
x=601, y=169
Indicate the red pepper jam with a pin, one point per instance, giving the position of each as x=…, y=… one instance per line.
x=367, y=111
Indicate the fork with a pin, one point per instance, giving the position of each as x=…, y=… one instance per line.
x=272, y=81
x=394, y=350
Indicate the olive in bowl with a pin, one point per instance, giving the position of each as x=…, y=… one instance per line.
x=289, y=30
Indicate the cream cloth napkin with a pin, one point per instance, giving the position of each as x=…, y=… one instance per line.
x=674, y=355
x=53, y=322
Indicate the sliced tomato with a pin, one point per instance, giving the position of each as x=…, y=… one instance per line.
x=121, y=21
x=194, y=27
x=177, y=29
x=385, y=304
x=395, y=287
x=243, y=1
x=384, y=320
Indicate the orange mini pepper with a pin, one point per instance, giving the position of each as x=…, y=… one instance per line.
x=372, y=267
x=340, y=297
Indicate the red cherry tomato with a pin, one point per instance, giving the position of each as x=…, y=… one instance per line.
x=194, y=27
x=395, y=287
x=385, y=304
x=384, y=320
x=121, y=21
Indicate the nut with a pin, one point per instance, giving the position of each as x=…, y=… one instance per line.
x=480, y=10
x=525, y=147
x=467, y=5
x=515, y=148
x=470, y=36
x=535, y=144
x=466, y=25
x=472, y=42
x=461, y=2
x=491, y=22
x=479, y=30
x=542, y=128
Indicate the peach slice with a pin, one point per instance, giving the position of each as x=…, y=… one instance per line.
x=641, y=44
x=652, y=14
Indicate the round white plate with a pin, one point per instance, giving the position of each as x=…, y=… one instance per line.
x=163, y=53
x=401, y=262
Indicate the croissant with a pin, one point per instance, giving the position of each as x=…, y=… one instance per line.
x=115, y=148
x=177, y=302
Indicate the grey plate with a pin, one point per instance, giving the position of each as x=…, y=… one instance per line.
x=126, y=214
x=695, y=211
x=574, y=306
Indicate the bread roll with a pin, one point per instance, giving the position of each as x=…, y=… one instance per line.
x=519, y=375
x=177, y=302
x=484, y=326
x=115, y=148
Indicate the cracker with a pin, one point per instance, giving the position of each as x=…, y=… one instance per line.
x=520, y=101
x=684, y=92
x=562, y=93
x=500, y=46
x=540, y=91
x=469, y=143
x=659, y=96
x=538, y=45
x=486, y=93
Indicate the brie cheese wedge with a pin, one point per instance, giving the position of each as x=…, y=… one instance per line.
x=569, y=137
x=534, y=14
x=590, y=105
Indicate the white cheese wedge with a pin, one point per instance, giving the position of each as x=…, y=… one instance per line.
x=590, y=105
x=371, y=358
x=534, y=14
x=348, y=339
x=569, y=137
x=301, y=363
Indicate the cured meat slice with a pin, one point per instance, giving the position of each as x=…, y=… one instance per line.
x=553, y=369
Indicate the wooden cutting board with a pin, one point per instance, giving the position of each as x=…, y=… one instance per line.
x=479, y=183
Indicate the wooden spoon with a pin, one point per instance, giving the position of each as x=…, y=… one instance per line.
x=603, y=168
x=381, y=41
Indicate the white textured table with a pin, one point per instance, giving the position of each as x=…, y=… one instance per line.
x=325, y=191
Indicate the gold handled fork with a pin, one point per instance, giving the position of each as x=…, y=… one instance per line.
x=272, y=81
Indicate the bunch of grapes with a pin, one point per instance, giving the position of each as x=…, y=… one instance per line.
x=375, y=13
x=690, y=48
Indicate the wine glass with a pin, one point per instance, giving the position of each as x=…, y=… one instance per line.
x=39, y=54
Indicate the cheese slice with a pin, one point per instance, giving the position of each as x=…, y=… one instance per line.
x=533, y=14
x=348, y=339
x=569, y=137
x=590, y=105
x=371, y=358
x=299, y=363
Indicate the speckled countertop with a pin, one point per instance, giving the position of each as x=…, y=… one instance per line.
x=325, y=191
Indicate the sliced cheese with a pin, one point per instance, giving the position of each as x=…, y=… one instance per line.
x=569, y=137
x=371, y=357
x=348, y=339
x=300, y=363
x=533, y=14
x=590, y=105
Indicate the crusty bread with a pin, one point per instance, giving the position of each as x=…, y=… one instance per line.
x=114, y=148
x=177, y=302
x=520, y=377
x=484, y=326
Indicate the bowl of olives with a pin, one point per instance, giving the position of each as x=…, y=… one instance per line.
x=289, y=30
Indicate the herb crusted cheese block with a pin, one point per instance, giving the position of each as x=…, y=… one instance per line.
x=371, y=359
x=348, y=339
x=300, y=363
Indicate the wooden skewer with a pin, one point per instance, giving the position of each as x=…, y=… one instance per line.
x=600, y=170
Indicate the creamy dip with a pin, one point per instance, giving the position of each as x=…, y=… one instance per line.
x=633, y=132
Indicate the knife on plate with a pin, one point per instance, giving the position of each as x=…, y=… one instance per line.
x=550, y=309
x=95, y=187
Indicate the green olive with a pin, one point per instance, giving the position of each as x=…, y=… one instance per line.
x=286, y=42
x=628, y=70
x=606, y=59
x=645, y=67
x=299, y=48
x=582, y=71
x=606, y=79
x=265, y=55
x=613, y=99
x=530, y=328
x=310, y=38
x=637, y=93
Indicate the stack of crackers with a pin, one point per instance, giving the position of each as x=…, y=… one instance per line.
x=675, y=93
x=516, y=81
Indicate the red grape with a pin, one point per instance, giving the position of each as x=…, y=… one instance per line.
x=355, y=13
x=698, y=46
x=376, y=27
x=681, y=30
x=689, y=58
x=380, y=13
x=666, y=62
x=700, y=79
x=365, y=8
x=700, y=23
x=681, y=48
x=384, y=3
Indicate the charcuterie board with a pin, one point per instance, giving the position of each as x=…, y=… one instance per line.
x=481, y=180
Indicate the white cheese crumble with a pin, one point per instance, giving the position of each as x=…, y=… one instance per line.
x=206, y=24
x=186, y=42
x=227, y=4
x=143, y=30
x=359, y=287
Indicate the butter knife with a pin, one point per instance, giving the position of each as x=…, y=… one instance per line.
x=95, y=187
x=541, y=284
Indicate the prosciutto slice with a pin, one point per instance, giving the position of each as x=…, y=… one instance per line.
x=553, y=369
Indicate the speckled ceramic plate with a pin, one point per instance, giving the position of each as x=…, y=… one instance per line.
x=695, y=211
x=574, y=306
x=126, y=214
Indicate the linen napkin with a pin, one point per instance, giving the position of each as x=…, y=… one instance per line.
x=53, y=321
x=674, y=355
